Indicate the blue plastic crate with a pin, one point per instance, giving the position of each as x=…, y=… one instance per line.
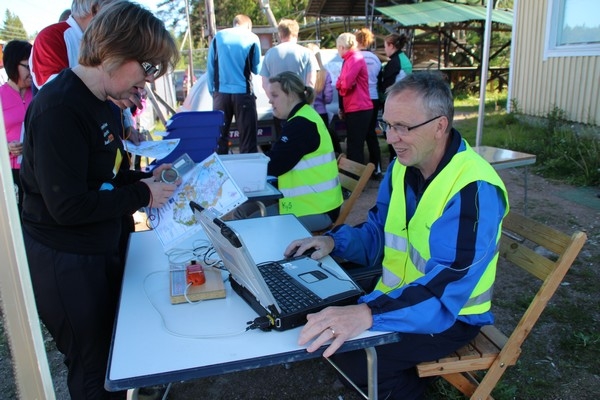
x=198, y=132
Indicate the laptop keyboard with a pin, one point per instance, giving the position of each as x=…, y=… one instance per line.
x=290, y=295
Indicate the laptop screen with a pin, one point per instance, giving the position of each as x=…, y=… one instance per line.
x=229, y=245
x=284, y=290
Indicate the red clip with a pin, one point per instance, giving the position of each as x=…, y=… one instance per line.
x=194, y=274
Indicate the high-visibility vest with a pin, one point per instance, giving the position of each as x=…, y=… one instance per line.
x=313, y=185
x=407, y=244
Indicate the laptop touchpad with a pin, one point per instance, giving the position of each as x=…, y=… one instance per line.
x=312, y=276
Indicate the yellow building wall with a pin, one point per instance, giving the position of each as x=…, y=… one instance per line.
x=538, y=85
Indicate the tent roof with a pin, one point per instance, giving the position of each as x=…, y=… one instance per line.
x=435, y=12
x=344, y=8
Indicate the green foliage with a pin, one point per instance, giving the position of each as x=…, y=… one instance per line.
x=12, y=28
x=226, y=10
x=172, y=12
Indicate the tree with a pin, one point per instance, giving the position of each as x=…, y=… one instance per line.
x=12, y=28
x=173, y=13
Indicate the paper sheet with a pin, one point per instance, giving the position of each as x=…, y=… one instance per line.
x=153, y=149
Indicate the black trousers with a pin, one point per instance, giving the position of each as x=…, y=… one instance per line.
x=76, y=297
x=357, y=125
x=372, y=140
x=397, y=375
x=335, y=140
x=17, y=181
x=243, y=106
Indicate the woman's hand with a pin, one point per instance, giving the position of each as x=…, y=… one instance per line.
x=160, y=192
x=157, y=172
x=15, y=148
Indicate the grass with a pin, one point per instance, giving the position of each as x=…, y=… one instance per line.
x=565, y=151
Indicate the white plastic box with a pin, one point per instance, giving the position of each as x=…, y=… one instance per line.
x=248, y=170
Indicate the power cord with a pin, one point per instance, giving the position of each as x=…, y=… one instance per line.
x=211, y=335
x=264, y=323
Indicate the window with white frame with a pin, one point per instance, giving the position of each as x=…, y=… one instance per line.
x=573, y=28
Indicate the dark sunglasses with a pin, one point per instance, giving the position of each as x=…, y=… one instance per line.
x=150, y=69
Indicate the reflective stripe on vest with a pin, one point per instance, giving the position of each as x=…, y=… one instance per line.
x=401, y=244
x=407, y=244
x=302, y=190
x=314, y=162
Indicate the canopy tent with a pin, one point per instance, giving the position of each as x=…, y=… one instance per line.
x=439, y=16
x=337, y=8
x=441, y=12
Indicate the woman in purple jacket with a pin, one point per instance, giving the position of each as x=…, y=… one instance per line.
x=356, y=107
x=324, y=96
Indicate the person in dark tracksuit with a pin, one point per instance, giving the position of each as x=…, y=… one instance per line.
x=233, y=55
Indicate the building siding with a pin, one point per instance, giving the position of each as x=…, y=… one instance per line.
x=538, y=85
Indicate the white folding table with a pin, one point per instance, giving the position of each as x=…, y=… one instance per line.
x=504, y=158
x=155, y=342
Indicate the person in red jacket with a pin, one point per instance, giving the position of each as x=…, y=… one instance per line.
x=356, y=107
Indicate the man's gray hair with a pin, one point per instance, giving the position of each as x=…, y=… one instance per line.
x=433, y=88
x=83, y=8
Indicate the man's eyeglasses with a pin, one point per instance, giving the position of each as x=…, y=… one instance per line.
x=150, y=69
x=403, y=130
x=24, y=65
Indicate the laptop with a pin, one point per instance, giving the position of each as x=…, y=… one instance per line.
x=283, y=291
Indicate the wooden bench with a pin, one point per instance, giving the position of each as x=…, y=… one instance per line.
x=492, y=351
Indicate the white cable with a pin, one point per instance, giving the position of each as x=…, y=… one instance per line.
x=178, y=334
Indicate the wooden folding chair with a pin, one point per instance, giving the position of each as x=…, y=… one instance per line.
x=491, y=351
x=353, y=177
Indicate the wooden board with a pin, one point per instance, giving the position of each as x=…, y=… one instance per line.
x=212, y=289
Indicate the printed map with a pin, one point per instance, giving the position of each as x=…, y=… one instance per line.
x=208, y=184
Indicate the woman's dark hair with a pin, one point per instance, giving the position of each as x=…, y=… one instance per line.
x=14, y=52
x=397, y=40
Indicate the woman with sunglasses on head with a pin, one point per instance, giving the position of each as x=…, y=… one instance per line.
x=15, y=96
x=76, y=192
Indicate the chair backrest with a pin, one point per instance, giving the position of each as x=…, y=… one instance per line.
x=525, y=243
x=353, y=177
x=522, y=244
x=198, y=132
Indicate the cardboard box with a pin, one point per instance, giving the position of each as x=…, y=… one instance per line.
x=248, y=170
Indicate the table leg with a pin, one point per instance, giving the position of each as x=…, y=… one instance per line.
x=262, y=208
x=133, y=394
x=371, y=374
x=525, y=192
x=372, y=371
